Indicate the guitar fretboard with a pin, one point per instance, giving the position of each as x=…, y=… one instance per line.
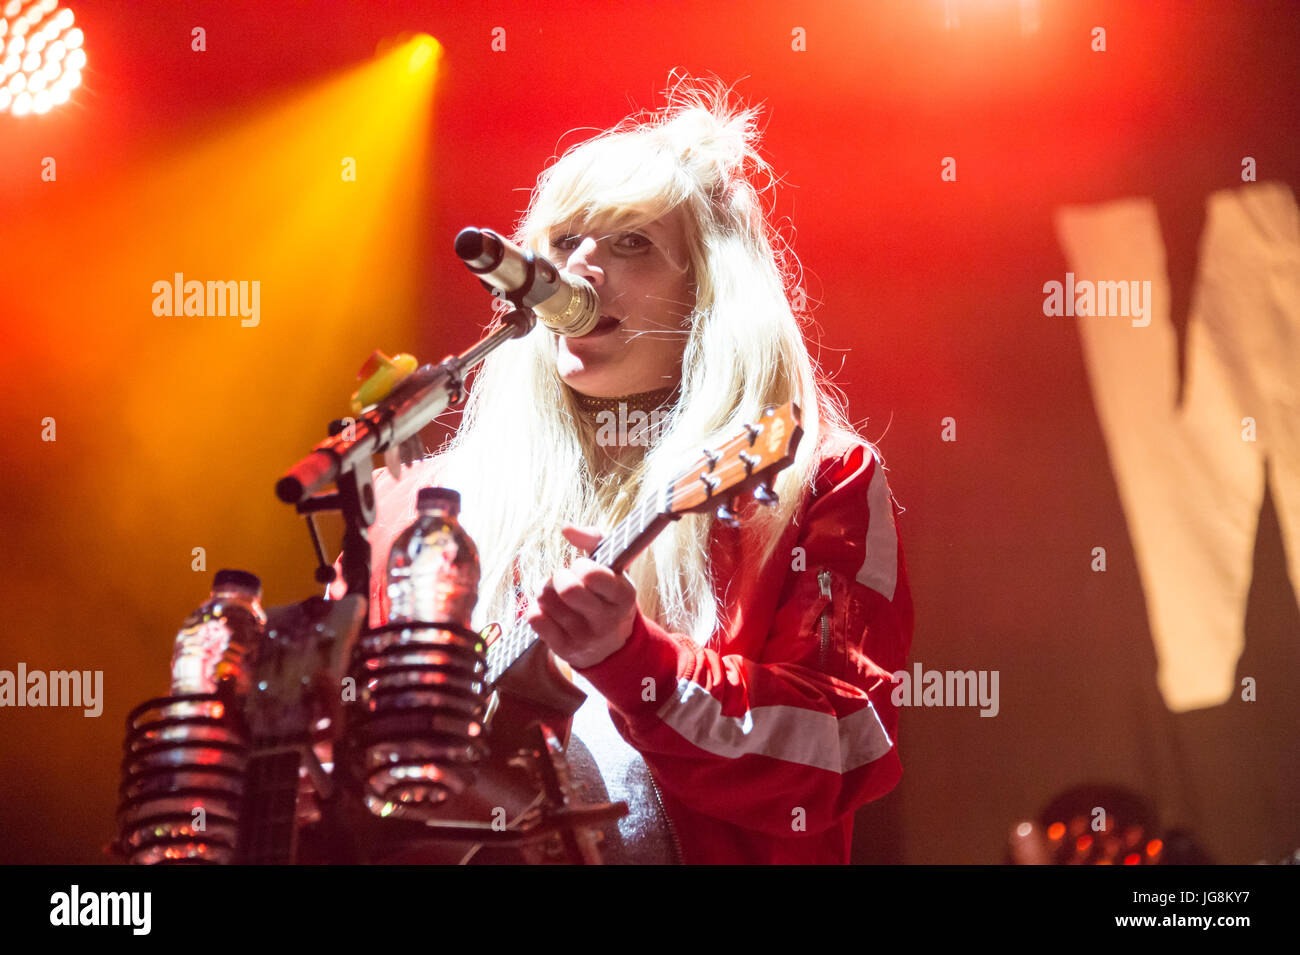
x=720, y=473
x=616, y=550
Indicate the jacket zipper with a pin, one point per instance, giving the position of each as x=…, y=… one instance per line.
x=824, y=582
x=672, y=830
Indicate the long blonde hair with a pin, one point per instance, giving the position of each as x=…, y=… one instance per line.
x=526, y=459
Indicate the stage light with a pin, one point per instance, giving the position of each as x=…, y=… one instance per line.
x=423, y=48
x=1029, y=16
x=42, y=56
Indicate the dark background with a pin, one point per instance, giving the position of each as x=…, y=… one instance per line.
x=929, y=305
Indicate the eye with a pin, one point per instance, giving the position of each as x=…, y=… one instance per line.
x=623, y=241
x=633, y=242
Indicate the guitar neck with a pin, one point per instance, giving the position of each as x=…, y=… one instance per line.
x=749, y=457
x=616, y=550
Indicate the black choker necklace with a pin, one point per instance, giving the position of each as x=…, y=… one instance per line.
x=641, y=401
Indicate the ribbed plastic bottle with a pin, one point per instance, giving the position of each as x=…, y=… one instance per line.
x=433, y=567
x=219, y=641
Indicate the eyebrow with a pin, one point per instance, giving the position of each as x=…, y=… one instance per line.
x=657, y=225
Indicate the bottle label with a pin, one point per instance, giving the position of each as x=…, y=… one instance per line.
x=196, y=660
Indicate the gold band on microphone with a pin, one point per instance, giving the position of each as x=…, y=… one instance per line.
x=580, y=315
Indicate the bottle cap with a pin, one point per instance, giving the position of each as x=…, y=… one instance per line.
x=237, y=578
x=430, y=497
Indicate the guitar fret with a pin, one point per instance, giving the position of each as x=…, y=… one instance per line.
x=503, y=654
x=725, y=468
x=632, y=529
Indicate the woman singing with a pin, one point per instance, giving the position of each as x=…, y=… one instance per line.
x=737, y=678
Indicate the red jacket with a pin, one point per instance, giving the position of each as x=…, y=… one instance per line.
x=766, y=741
x=765, y=745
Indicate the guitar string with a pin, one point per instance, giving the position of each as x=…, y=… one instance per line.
x=522, y=636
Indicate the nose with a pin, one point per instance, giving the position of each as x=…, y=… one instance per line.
x=582, y=262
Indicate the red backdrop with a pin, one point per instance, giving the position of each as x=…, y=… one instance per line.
x=930, y=306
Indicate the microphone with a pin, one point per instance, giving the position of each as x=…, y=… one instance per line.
x=563, y=302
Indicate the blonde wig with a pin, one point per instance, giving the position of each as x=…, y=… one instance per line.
x=526, y=459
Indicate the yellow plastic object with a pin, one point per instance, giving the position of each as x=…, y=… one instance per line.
x=382, y=374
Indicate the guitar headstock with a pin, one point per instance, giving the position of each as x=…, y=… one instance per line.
x=744, y=463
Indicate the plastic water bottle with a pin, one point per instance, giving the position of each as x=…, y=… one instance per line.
x=217, y=643
x=421, y=703
x=433, y=568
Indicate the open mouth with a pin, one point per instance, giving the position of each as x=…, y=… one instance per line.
x=607, y=323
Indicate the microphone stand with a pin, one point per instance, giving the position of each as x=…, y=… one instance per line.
x=345, y=458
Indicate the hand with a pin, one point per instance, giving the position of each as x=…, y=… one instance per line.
x=586, y=611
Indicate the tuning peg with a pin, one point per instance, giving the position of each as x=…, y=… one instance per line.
x=727, y=516
x=766, y=496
